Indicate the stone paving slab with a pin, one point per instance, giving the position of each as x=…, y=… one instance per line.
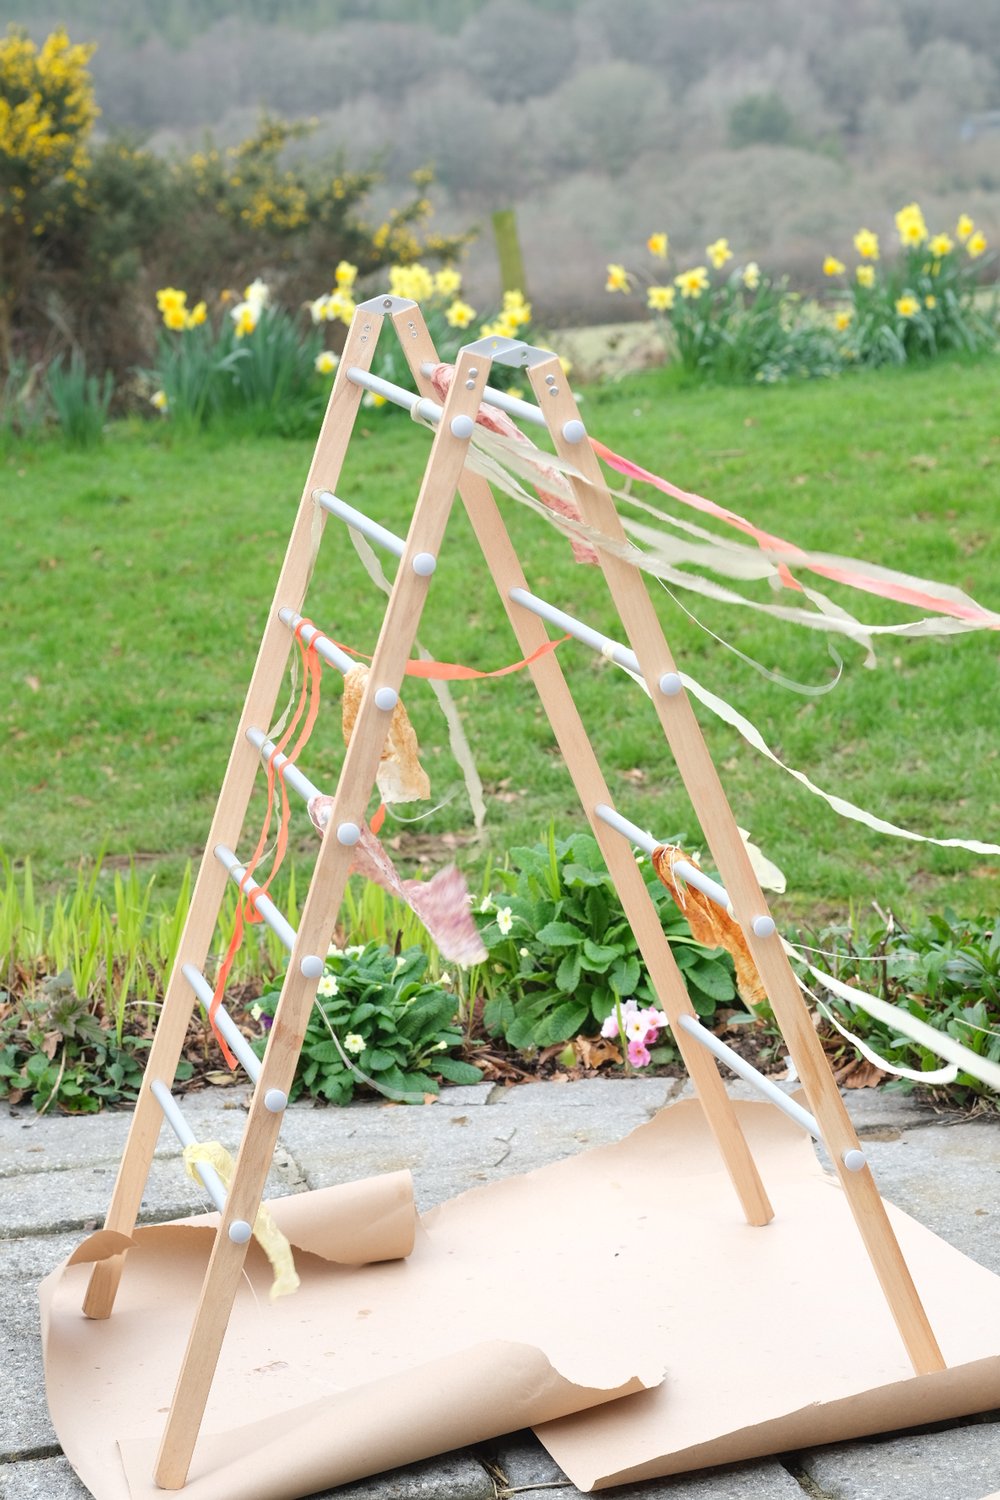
x=41, y=1479
x=959, y=1463
x=25, y=1424
x=947, y=1177
x=945, y=1171
x=450, y=1148
x=78, y=1196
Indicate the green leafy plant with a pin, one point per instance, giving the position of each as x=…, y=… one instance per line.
x=943, y=969
x=377, y=1022
x=80, y=401
x=923, y=302
x=736, y=327
x=562, y=952
x=56, y=1052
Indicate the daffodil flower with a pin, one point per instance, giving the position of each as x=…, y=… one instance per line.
x=692, y=283
x=718, y=253
x=866, y=244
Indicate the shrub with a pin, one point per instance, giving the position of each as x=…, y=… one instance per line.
x=253, y=362
x=451, y=321
x=921, y=303
x=80, y=401
x=943, y=969
x=740, y=326
x=376, y=1022
x=561, y=950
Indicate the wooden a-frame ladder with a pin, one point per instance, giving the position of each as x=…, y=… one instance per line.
x=445, y=473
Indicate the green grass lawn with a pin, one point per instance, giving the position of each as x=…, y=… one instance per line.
x=136, y=581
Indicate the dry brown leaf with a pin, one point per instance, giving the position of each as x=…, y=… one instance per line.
x=709, y=923
x=400, y=776
x=594, y=1051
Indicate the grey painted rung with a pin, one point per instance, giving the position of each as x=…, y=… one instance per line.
x=290, y=773
x=360, y=522
x=576, y=628
x=688, y=872
x=263, y=904
x=417, y=406
x=214, y=1186
x=236, y=1041
x=324, y=646
x=749, y=1074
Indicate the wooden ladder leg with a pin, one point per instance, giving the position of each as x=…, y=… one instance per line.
x=583, y=767
x=684, y=736
x=318, y=919
x=227, y=824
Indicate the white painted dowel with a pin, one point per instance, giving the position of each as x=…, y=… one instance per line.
x=224, y=1022
x=682, y=867
x=292, y=776
x=239, y=1230
x=576, y=628
x=324, y=646
x=264, y=905
x=397, y=394
x=750, y=1075
x=360, y=522
x=512, y=405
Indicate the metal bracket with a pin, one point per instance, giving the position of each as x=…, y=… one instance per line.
x=509, y=352
x=386, y=304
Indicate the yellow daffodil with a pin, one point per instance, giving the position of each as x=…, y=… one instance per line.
x=318, y=310
x=907, y=306
x=910, y=225
x=448, y=281
x=196, y=316
x=833, y=267
x=326, y=362
x=692, y=283
x=618, y=279
x=751, y=276
x=170, y=297
x=941, y=244
x=175, y=317
x=866, y=244
x=567, y=365
x=340, y=306
x=930, y=301
x=658, y=245
x=976, y=244
x=516, y=311
x=257, y=294
x=964, y=227
x=345, y=275
x=843, y=320
x=245, y=316
x=460, y=314
x=866, y=276
x=660, y=298
x=371, y=398
x=160, y=401
x=718, y=253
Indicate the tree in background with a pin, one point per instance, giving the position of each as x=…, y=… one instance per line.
x=47, y=111
x=88, y=232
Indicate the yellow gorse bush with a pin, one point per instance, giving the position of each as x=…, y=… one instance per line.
x=47, y=111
